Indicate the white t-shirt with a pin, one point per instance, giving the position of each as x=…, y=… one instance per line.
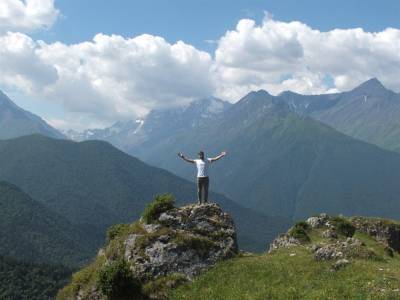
x=202, y=167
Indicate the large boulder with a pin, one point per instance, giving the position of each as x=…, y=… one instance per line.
x=184, y=240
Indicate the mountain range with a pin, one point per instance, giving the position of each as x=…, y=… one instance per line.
x=369, y=112
x=158, y=124
x=289, y=155
x=282, y=163
x=94, y=185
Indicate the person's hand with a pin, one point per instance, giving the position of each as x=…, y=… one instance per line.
x=223, y=153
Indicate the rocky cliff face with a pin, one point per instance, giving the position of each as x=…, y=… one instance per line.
x=172, y=246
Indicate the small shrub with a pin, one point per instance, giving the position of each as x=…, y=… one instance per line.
x=116, y=230
x=343, y=226
x=116, y=282
x=302, y=224
x=161, y=203
x=299, y=231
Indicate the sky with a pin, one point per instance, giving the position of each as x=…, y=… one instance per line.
x=86, y=64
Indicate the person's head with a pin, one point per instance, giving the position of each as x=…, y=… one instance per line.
x=201, y=154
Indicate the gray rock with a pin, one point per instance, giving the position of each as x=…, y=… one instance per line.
x=150, y=228
x=330, y=234
x=187, y=240
x=327, y=252
x=284, y=241
x=340, y=264
x=382, y=230
x=318, y=221
x=340, y=249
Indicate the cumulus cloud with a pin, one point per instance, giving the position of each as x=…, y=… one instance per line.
x=291, y=55
x=112, y=77
x=27, y=15
x=21, y=66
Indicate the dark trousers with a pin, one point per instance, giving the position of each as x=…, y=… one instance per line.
x=202, y=184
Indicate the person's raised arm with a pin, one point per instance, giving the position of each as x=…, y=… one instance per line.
x=180, y=154
x=218, y=157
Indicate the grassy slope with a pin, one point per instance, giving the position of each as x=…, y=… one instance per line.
x=294, y=274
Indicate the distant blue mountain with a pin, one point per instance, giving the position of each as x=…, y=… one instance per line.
x=16, y=122
x=370, y=112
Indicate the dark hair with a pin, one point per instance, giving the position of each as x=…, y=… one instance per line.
x=201, y=153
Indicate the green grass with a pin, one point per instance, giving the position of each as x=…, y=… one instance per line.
x=161, y=203
x=84, y=279
x=294, y=274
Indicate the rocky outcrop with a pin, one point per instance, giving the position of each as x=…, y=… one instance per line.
x=387, y=232
x=317, y=221
x=335, y=238
x=184, y=240
x=339, y=249
x=168, y=247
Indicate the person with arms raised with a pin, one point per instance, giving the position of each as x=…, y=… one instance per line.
x=203, y=181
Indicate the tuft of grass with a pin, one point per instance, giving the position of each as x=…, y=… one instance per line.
x=83, y=280
x=299, y=231
x=200, y=244
x=161, y=203
x=343, y=226
x=116, y=230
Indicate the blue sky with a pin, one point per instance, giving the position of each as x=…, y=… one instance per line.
x=77, y=78
x=197, y=21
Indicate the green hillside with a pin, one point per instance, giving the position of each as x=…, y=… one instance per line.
x=32, y=233
x=372, y=272
x=284, y=164
x=20, y=280
x=94, y=185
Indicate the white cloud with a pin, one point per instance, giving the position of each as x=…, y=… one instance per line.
x=21, y=66
x=290, y=55
x=112, y=77
x=109, y=78
x=27, y=15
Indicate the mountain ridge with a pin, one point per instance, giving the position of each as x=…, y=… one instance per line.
x=94, y=185
x=15, y=121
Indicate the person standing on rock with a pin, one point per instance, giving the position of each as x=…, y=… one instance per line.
x=202, y=172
